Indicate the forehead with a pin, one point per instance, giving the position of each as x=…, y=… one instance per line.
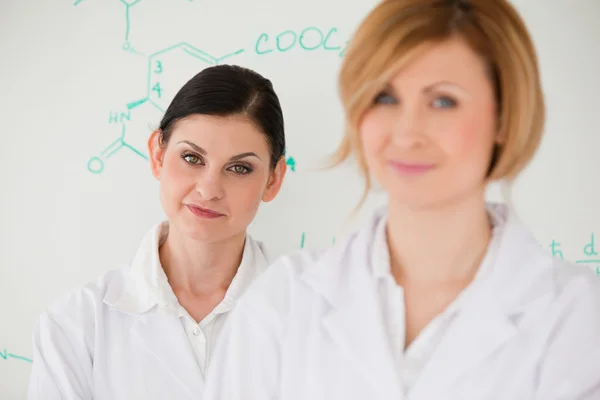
x=232, y=134
x=449, y=60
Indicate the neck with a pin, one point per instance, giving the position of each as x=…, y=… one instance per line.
x=200, y=267
x=441, y=244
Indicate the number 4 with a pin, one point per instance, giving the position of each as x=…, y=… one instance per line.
x=157, y=89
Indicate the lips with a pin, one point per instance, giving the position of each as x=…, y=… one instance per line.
x=204, y=212
x=411, y=168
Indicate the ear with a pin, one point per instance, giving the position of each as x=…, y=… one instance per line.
x=156, y=152
x=275, y=180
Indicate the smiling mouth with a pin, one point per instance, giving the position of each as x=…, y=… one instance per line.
x=204, y=212
x=411, y=168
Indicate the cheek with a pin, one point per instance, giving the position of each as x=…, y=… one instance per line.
x=374, y=135
x=246, y=193
x=469, y=140
x=176, y=177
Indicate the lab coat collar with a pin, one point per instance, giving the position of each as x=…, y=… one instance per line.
x=381, y=265
x=516, y=282
x=139, y=290
x=342, y=268
x=519, y=281
x=255, y=260
x=343, y=277
x=143, y=286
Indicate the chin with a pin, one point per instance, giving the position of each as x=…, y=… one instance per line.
x=416, y=198
x=429, y=200
x=203, y=235
x=205, y=231
x=416, y=204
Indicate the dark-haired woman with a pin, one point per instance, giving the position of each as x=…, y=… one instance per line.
x=147, y=331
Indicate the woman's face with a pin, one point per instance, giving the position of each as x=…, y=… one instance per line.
x=213, y=173
x=428, y=137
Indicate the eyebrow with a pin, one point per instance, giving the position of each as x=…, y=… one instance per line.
x=234, y=158
x=430, y=88
x=445, y=83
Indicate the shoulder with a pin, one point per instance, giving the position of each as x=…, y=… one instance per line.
x=83, y=303
x=75, y=317
x=571, y=292
x=569, y=328
x=110, y=286
x=570, y=283
x=572, y=288
x=273, y=292
x=529, y=271
x=286, y=272
x=301, y=277
x=577, y=286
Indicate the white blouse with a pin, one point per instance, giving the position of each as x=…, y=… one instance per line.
x=411, y=362
x=203, y=335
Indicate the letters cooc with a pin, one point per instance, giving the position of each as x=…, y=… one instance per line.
x=310, y=38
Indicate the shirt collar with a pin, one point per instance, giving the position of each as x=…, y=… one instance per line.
x=343, y=275
x=146, y=284
x=380, y=258
x=254, y=262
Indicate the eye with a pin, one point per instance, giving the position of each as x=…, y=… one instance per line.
x=385, y=98
x=191, y=158
x=444, y=102
x=240, y=169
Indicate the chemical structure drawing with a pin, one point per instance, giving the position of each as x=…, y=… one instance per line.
x=96, y=163
x=126, y=46
x=171, y=65
x=308, y=39
x=165, y=75
x=128, y=5
x=168, y=70
x=5, y=355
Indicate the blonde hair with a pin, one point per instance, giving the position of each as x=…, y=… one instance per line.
x=397, y=30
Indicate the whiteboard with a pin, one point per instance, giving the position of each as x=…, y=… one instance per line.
x=78, y=101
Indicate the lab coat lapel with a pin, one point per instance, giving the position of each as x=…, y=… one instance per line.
x=356, y=327
x=516, y=285
x=161, y=337
x=164, y=339
x=354, y=320
x=476, y=333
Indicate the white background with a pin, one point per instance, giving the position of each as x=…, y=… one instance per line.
x=64, y=70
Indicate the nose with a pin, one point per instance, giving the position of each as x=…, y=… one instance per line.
x=409, y=127
x=210, y=184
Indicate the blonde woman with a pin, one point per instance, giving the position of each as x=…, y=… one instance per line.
x=441, y=98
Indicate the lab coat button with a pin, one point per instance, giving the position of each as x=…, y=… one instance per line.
x=196, y=332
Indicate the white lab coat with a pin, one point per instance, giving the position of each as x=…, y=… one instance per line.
x=311, y=328
x=107, y=341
